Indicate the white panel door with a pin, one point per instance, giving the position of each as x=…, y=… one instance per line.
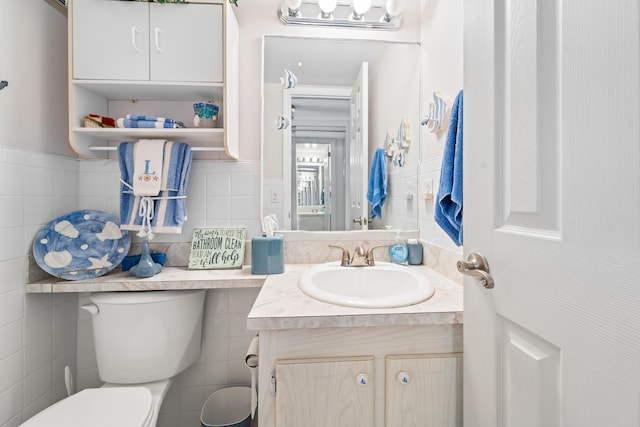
x=110, y=40
x=186, y=42
x=357, y=207
x=551, y=198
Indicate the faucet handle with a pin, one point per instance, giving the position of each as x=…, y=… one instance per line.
x=369, y=256
x=346, y=259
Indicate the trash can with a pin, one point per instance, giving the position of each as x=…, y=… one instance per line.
x=227, y=407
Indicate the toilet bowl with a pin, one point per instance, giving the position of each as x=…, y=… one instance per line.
x=143, y=340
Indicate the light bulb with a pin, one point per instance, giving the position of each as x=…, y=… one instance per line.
x=393, y=8
x=293, y=6
x=360, y=7
x=326, y=7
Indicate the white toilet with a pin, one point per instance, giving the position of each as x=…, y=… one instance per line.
x=143, y=340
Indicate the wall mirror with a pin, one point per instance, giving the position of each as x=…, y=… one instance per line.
x=320, y=133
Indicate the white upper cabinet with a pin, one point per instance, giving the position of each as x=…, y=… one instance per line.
x=121, y=40
x=185, y=45
x=158, y=59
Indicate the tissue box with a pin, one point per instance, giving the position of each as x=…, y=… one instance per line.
x=267, y=255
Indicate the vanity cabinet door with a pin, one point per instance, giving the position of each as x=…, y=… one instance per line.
x=325, y=392
x=110, y=40
x=424, y=391
x=185, y=42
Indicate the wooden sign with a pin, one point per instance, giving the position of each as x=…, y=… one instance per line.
x=217, y=248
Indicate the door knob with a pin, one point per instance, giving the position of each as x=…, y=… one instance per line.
x=476, y=265
x=360, y=220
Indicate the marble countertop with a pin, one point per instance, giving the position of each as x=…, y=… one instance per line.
x=168, y=278
x=281, y=305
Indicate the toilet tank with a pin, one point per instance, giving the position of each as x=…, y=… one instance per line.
x=146, y=336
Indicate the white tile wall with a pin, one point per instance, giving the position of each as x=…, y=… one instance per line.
x=37, y=332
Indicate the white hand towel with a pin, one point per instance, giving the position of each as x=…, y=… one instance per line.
x=147, y=169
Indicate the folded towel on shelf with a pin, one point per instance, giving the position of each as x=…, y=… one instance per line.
x=377, y=192
x=153, y=119
x=448, y=208
x=166, y=212
x=147, y=124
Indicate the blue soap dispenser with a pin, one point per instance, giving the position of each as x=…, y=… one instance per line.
x=398, y=252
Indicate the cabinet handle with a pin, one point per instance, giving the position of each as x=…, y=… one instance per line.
x=134, y=31
x=403, y=378
x=158, y=31
x=362, y=379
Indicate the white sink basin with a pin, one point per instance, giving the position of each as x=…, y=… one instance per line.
x=384, y=285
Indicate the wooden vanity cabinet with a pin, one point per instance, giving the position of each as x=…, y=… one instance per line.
x=392, y=376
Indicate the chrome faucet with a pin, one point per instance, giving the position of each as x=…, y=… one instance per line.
x=360, y=258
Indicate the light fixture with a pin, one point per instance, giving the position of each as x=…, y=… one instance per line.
x=293, y=6
x=360, y=7
x=393, y=8
x=351, y=14
x=326, y=8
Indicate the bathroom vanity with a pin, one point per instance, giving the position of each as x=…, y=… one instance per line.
x=322, y=364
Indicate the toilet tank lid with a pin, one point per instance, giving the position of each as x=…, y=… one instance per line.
x=99, y=407
x=141, y=297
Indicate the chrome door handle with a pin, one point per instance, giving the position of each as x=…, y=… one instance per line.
x=476, y=265
x=360, y=220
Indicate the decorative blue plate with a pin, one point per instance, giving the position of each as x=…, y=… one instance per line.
x=81, y=245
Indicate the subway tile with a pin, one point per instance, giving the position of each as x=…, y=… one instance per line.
x=215, y=349
x=11, y=403
x=218, y=208
x=12, y=211
x=238, y=373
x=216, y=373
x=63, y=205
x=13, y=245
x=10, y=338
x=243, y=207
x=37, y=355
x=192, y=399
x=14, y=422
x=37, y=384
x=218, y=184
x=38, y=181
x=241, y=300
x=38, y=210
x=190, y=419
x=65, y=183
x=12, y=275
x=38, y=405
x=92, y=184
x=11, y=306
x=13, y=174
x=244, y=184
x=10, y=371
x=238, y=347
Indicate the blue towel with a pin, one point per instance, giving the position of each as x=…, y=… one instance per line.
x=147, y=124
x=151, y=119
x=377, y=193
x=169, y=207
x=448, y=209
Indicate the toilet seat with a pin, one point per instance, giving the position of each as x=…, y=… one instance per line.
x=99, y=407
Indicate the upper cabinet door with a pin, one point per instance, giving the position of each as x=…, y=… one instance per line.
x=186, y=42
x=110, y=40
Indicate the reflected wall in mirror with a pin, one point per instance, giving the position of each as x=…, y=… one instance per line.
x=349, y=95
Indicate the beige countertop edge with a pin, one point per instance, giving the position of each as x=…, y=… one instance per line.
x=281, y=305
x=169, y=278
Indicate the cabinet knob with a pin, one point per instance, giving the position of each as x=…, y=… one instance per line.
x=362, y=379
x=403, y=378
